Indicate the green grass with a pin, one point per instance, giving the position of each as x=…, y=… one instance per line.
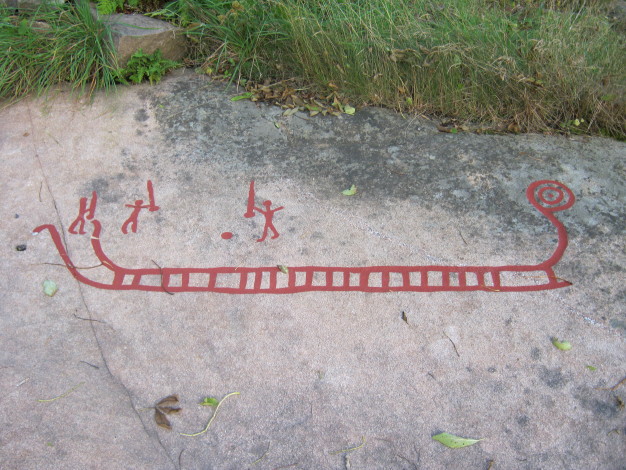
x=524, y=65
x=52, y=46
x=529, y=67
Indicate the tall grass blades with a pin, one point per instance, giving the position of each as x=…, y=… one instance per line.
x=537, y=65
x=232, y=37
x=537, y=69
x=51, y=46
x=529, y=65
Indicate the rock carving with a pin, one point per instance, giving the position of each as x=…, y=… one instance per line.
x=546, y=196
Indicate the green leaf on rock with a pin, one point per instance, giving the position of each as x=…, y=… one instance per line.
x=562, y=345
x=454, y=442
x=50, y=288
x=349, y=192
x=210, y=401
x=349, y=110
x=244, y=96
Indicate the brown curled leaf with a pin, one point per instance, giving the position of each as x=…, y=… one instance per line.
x=168, y=401
x=161, y=419
x=448, y=130
x=169, y=410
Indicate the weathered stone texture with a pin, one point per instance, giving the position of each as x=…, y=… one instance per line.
x=135, y=31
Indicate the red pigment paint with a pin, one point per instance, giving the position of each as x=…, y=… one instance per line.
x=268, y=213
x=137, y=208
x=84, y=211
x=546, y=196
x=227, y=235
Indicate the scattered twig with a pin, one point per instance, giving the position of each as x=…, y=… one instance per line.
x=491, y=289
x=179, y=456
x=263, y=456
x=23, y=382
x=240, y=265
x=61, y=396
x=388, y=441
x=53, y=138
x=490, y=464
x=335, y=452
x=72, y=266
x=462, y=238
x=554, y=278
x=161, y=273
x=89, y=363
x=453, y=345
x=212, y=417
x=108, y=265
x=413, y=464
x=40, y=187
x=614, y=387
x=88, y=319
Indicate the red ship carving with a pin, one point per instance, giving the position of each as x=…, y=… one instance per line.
x=546, y=196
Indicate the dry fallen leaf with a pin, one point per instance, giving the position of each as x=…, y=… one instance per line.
x=168, y=410
x=514, y=128
x=161, y=419
x=168, y=401
x=163, y=407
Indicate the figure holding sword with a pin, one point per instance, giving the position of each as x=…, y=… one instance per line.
x=268, y=213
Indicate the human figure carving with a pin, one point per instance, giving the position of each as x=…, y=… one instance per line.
x=137, y=207
x=269, y=216
x=84, y=212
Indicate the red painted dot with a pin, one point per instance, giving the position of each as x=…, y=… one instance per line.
x=227, y=235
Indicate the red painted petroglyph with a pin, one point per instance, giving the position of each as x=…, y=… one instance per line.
x=268, y=213
x=137, y=208
x=546, y=196
x=84, y=211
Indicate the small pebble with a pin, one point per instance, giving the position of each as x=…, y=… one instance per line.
x=20, y=247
